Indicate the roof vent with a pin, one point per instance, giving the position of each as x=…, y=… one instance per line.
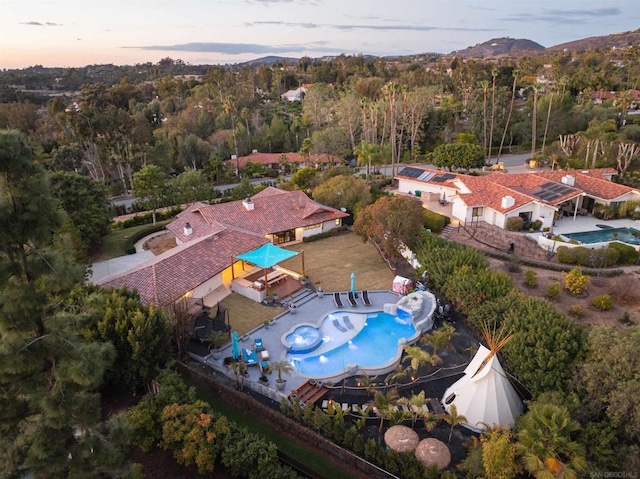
x=508, y=201
x=248, y=204
x=188, y=230
x=569, y=180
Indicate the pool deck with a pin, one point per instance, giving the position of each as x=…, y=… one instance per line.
x=310, y=311
x=588, y=223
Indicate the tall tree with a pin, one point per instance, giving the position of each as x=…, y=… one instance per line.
x=149, y=186
x=494, y=75
x=230, y=107
x=85, y=201
x=513, y=97
x=49, y=374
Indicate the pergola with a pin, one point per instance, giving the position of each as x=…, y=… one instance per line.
x=265, y=257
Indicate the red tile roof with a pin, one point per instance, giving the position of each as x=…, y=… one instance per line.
x=274, y=211
x=592, y=182
x=168, y=276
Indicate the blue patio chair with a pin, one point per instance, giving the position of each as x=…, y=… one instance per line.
x=257, y=344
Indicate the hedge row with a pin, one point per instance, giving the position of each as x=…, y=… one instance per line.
x=129, y=246
x=435, y=221
x=147, y=218
x=616, y=253
x=326, y=234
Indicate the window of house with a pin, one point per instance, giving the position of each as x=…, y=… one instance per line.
x=477, y=211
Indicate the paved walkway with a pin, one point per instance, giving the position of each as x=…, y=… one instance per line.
x=116, y=266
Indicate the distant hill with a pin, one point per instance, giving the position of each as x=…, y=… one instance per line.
x=616, y=40
x=269, y=60
x=498, y=46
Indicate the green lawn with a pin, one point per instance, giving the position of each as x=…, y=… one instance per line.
x=113, y=244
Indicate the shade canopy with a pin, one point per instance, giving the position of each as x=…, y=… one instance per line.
x=401, y=438
x=267, y=255
x=431, y=452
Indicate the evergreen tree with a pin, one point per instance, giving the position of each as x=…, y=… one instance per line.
x=49, y=410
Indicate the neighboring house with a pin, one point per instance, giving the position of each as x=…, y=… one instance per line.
x=295, y=95
x=209, y=236
x=276, y=160
x=533, y=196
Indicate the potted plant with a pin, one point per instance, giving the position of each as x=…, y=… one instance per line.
x=282, y=367
x=319, y=290
x=264, y=379
x=266, y=323
x=216, y=339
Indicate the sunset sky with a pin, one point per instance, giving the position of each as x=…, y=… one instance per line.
x=78, y=33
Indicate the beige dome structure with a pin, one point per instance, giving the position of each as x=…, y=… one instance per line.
x=401, y=438
x=433, y=452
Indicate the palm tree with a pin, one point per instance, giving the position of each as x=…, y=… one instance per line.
x=516, y=73
x=282, y=367
x=485, y=87
x=534, y=117
x=367, y=154
x=382, y=404
x=239, y=369
x=244, y=114
x=417, y=357
x=494, y=75
x=440, y=338
x=453, y=418
x=229, y=106
x=417, y=403
x=397, y=375
x=545, y=443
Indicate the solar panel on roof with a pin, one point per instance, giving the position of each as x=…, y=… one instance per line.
x=439, y=179
x=448, y=176
x=411, y=172
x=426, y=176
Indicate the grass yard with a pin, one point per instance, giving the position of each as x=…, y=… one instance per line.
x=113, y=244
x=329, y=262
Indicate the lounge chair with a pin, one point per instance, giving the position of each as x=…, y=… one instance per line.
x=365, y=298
x=339, y=326
x=352, y=298
x=347, y=322
x=257, y=344
x=250, y=357
x=337, y=300
x=265, y=367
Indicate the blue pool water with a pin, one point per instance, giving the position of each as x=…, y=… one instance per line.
x=626, y=235
x=304, y=339
x=374, y=346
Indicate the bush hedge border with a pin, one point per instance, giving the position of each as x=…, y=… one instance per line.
x=130, y=245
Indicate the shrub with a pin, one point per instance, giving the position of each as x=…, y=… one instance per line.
x=535, y=225
x=626, y=319
x=515, y=223
x=553, y=290
x=582, y=255
x=576, y=311
x=130, y=248
x=531, y=278
x=566, y=255
x=513, y=266
x=603, y=302
x=434, y=221
x=628, y=255
x=575, y=281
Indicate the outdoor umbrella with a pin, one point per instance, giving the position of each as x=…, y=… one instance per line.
x=401, y=438
x=430, y=451
x=353, y=283
x=235, y=349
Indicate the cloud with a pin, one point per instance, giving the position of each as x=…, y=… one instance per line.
x=563, y=16
x=348, y=27
x=38, y=24
x=237, y=48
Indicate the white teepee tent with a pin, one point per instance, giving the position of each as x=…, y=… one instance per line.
x=484, y=394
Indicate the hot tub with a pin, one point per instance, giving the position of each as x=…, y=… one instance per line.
x=303, y=339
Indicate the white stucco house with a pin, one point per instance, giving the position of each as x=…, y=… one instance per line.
x=538, y=195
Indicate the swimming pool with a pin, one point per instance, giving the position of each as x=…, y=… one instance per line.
x=626, y=235
x=376, y=345
x=303, y=339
